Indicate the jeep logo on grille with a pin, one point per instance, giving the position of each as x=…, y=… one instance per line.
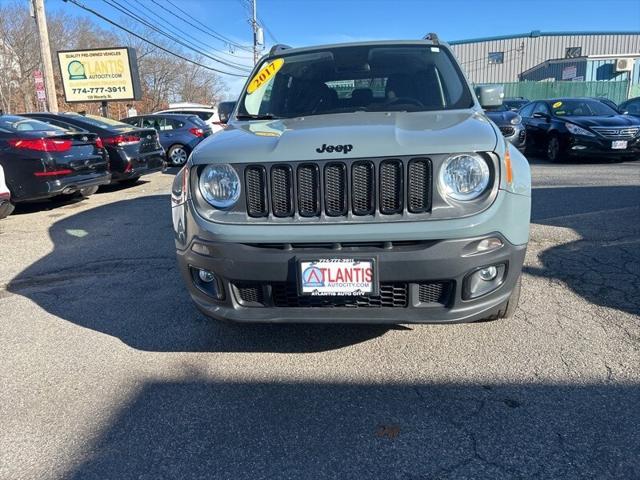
x=334, y=148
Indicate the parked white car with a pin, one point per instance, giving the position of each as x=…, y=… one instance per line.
x=208, y=113
x=5, y=197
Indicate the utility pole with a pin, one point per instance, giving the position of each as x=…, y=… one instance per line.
x=254, y=27
x=45, y=52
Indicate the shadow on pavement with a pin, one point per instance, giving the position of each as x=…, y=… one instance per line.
x=603, y=266
x=202, y=429
x=113, y=270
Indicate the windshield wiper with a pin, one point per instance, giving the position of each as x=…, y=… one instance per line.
x=264, y=116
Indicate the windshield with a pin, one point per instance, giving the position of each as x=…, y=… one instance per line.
x=22, y=124
x=581, y=108
x=102, y=122
x=361, y=78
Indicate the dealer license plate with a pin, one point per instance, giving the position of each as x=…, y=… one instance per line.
x=337, y=277
x=619, y=144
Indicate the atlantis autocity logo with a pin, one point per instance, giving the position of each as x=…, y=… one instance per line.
x=76, y=71
x=312, y=277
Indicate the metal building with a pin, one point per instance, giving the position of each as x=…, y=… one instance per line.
x=505, y=58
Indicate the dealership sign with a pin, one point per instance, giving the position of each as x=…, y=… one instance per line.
x=100, y=75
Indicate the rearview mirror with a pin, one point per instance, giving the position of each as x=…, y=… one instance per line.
x=490, y=95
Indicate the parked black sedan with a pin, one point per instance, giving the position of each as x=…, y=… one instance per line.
x=510, y=124
x=566, y=127
x=42, y=161
x=132, y=151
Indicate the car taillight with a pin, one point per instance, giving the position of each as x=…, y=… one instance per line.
x=99, y=143
x=120, y=140
x=41, y=144
x=198, y=132
x=53, y=173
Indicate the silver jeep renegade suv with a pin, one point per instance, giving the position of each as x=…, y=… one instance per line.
x=355, y=183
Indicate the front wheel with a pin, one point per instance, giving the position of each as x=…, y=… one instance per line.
x=177, y=155
x=554, y=150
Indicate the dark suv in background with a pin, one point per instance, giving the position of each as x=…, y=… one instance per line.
x=179, y=134
x=132, y=151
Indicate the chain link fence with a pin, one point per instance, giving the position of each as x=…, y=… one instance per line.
x=616, y=91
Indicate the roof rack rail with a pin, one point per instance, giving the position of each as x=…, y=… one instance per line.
x=433, y=37
x=278, y=48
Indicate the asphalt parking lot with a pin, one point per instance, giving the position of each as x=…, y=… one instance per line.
x=107, y=371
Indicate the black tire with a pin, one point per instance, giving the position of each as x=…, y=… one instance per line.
x=554, y=149
x=130, y=181
x=508, y=309
x=177, y=155
x=88, y=191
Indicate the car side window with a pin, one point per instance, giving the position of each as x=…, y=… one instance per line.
x=541, y=107
x=174, y=124
x=527, y=110
x=147, y=123
x=633, y=107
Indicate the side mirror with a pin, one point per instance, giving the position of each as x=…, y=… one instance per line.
x=490, y=95
x=541, y=115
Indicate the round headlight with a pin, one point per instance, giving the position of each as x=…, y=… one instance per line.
x=464, y=177
x=220, y=185
x=516, y=120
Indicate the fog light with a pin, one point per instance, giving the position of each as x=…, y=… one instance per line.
x=486, y=274
x=207, y=283
x=483, y=280
x=206, y=276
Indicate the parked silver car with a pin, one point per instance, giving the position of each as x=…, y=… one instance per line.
x=355, y=183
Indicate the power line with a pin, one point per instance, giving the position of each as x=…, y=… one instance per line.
x=115, y=4
x=206, y=29
x=108, y=20
x=176, y=30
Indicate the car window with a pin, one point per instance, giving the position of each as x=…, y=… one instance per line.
x=64, y=125
x=23, y=124
x=100, y=122
x=197, y=120
x=353, y=78
x=151, y=122
x=202, y=115
x=527, y=110
x=581, y=108
x=633, y=106
x=132, y=121
x=541, y=107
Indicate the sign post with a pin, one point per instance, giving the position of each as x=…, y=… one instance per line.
x=41, y=95
x=100, y=75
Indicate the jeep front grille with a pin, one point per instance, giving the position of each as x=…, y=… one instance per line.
x=338, y=189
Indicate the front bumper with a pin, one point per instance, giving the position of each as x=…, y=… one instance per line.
x=580, y=146
x=269, y=270
x=519, y=136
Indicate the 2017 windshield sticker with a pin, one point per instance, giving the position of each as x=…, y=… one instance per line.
x=557, y=105
x=261, y=78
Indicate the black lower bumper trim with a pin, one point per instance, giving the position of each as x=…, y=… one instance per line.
x=445, y=261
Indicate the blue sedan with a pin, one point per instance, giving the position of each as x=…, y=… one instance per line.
x=179, y=134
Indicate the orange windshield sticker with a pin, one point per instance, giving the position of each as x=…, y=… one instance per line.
x=263, y=76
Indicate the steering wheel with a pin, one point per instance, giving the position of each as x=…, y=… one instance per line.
x=404, y=101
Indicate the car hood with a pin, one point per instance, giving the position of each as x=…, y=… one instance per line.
x=604, y=121
x=369, y=134
x=501, y=118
